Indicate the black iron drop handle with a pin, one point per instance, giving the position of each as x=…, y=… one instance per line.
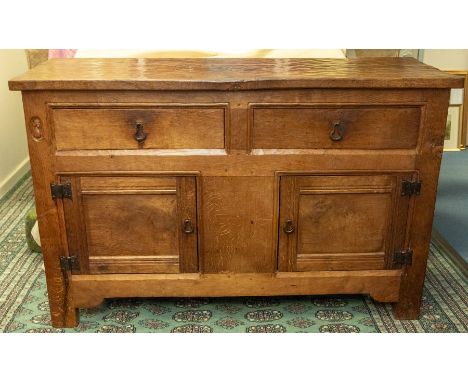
x=188, y=226
x=337, y=131
x=140, y=135
x=288, y=227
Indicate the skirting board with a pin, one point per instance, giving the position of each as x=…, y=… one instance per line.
x=444, y=245
x=8, y=183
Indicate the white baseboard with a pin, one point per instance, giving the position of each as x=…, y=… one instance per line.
x=14, y=176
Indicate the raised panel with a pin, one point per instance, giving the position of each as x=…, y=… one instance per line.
x=126, y=225
x=341, y=222
x=133, y=224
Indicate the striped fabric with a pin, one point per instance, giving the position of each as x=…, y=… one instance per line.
x=19, y=268
x=24, y=306
x=445, y=301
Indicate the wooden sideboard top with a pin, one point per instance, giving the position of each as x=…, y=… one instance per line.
x=232, y=74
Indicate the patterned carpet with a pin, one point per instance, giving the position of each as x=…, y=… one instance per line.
x=24, y=305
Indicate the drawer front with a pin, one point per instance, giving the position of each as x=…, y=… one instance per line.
x=341, y=127
x=169, y=127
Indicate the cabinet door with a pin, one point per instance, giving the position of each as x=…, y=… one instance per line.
x=132, y=224
x=341, y=222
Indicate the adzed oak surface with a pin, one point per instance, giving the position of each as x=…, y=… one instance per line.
x=232, y=74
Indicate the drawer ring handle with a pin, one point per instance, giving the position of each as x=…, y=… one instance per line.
x=337, y=131
x=289, y=227
x=188, y=226
x=140, y=135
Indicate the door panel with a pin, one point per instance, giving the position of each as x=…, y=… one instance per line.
x=318, y=219
x=341, y=222
x=145, y=229
x=132, y=224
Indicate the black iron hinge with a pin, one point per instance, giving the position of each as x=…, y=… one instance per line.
x=410, y=187
x=401, y=258
x=61, y=190
x=69, y=263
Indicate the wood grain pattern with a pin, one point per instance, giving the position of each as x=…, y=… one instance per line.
x=364, y=127
x=62, y=309
x=232, y=74
x=187, y=210
x=89, y=290
x=75, y=225
x=260, y=163
x=341, y=222
x=118, y=224
x=237, y=221
x=113, y=182
x=329, y=221
x=428, y=165
x=131, y=225
x=114, y=128
x=340, y=261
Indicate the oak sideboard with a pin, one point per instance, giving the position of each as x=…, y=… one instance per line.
x=234, y=177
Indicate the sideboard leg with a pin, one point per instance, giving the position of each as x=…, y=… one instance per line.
x=406, y=310
x=427, y=164
x=62, y=309
x=49, y=211
x=69, y=319
x=72, y=318
x=409, y=306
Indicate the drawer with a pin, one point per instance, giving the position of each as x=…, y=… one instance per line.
x=168, y=127
x=338, y=126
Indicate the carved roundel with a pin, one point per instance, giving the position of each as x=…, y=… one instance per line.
x=35, y=128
